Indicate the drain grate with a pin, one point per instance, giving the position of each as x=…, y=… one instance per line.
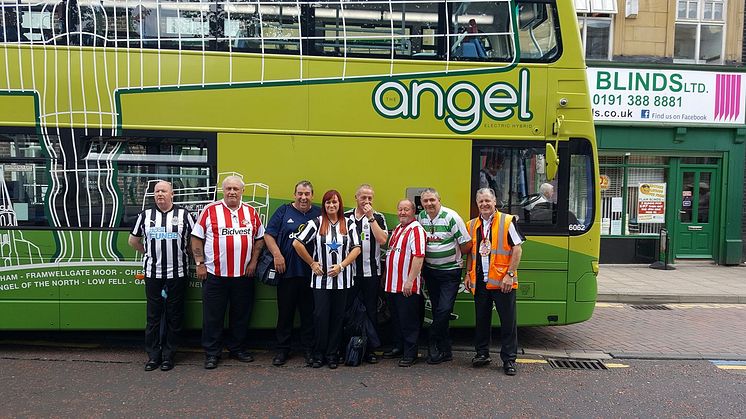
x=651, y=307
x=576, y=364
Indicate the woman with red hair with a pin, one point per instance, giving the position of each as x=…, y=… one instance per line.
x=336, y=246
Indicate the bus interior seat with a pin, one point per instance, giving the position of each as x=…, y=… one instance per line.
x=473, y=48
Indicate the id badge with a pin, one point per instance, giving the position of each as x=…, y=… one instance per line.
x=484, y=248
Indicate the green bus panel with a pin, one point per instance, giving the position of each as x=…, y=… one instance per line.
x=102, y=315
x=579, y=311
x=263, y=316
x=29, y=315
x=530, y=313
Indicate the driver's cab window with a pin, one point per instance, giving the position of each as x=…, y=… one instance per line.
x=518, y=177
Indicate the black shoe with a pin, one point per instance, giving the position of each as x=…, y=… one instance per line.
x=371, y=358
x=407, y=362
x=480, y=360
x=332, y=363
x=316, y=363
x=394, y=353
x=242, y=356
x=167, y=365
x=510, y=368
x=211, y=362
x=152, y=364
x=440, y=358
x=308, y=357
x=280, y=359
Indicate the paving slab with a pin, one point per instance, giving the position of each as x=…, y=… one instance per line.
x=690, y=282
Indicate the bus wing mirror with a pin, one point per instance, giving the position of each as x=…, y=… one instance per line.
x=552, y=161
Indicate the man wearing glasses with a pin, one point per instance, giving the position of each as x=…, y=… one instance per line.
x=447, y=239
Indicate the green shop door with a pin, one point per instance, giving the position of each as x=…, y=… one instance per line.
x=697, y=209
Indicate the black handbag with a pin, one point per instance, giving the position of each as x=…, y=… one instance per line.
x=355, y=351
x=265, y=269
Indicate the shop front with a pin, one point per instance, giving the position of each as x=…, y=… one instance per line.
x=676, y=167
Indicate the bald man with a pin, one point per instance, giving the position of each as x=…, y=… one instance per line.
x=161, y=234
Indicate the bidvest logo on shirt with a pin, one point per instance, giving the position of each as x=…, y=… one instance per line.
x=499, y=101
x=160, y=233
x=233, y=231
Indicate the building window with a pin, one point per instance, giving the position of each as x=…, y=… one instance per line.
x=633, y=195
x=700, y=31
x=595, y=18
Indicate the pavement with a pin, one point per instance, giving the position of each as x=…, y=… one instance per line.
x=690, y=282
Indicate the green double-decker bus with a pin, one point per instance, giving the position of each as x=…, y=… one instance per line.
x=101, y=99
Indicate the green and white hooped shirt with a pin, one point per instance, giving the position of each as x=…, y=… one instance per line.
x=444, y=234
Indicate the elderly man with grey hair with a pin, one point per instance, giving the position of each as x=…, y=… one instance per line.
x=447, y=238
x=226, y=242
x=492, y=276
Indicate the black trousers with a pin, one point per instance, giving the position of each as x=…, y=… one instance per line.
x=219, y=292
x=328, y=321
x=405, y=315
x=442, y=287
x=366, y=289
x=505, y=305
x=294, y=293
x=162, y=344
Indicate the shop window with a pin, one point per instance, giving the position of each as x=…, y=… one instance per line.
x=699, y=32
x=633, y=197
x=23, y=181
x=700, y=160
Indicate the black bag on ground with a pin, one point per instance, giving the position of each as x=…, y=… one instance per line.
x=265, y=269
x=355, y=351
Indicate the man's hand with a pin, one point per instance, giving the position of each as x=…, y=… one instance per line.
x=407, y=287
x=467, y=282
x=507, y=284
x=280, y=264
x=201, y=272
x=368, y=209
x=251, y=269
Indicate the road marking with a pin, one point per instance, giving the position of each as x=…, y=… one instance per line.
x=614, y=365
x=531, y=361
x=730, y=365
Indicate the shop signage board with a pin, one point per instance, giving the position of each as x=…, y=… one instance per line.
x=651, y=203
x=667, y=96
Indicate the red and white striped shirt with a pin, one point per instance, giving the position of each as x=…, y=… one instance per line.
x=229, y=237
x=406, y=243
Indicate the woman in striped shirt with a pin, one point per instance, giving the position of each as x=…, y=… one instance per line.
x=336, y=246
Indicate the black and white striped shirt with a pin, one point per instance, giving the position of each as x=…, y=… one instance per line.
x=166, y=238
x=368, y=264
x=331, y=249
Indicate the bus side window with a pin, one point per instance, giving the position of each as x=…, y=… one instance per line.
x=517, y=175
x=582, y=185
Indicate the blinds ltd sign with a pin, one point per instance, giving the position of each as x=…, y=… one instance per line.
x=668, y=96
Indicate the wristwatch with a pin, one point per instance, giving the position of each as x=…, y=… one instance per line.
x=199, y=263
x=371, y=220
x=511, y=274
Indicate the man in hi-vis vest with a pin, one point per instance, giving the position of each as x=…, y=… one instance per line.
x=492, y=277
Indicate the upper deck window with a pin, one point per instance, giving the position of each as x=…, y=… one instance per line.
x=474, y=30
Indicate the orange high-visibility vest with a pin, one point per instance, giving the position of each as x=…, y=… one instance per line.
x=500, y=252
